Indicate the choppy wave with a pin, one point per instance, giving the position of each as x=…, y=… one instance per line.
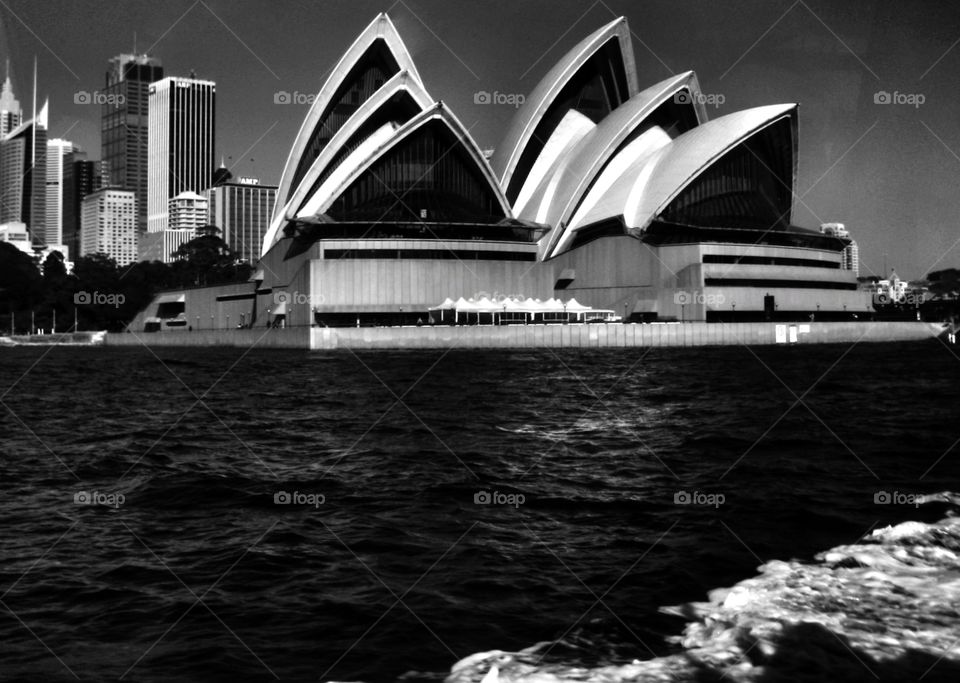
x=886, y=608
x=600, y=445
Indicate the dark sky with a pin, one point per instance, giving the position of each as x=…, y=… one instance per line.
x=889, y=171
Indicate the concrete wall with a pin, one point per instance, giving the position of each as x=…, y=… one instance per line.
x=202, y=309
x=538, y=336
x=619, y=273
x=612, y=336
x=630, y=276
x=310, y=282
x=291, y=338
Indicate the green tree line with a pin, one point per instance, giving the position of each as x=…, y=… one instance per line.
x=99, y=294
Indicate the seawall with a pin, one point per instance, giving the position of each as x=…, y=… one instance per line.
x=542, y=336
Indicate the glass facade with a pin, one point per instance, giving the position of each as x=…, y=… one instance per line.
x=124, y=125
x=369, y=73
x=428, y=177
x=749, y=187
x=399, y=110
x=242, y=212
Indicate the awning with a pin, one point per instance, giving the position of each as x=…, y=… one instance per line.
x=532, y=305
x=464, y=305
x=574, y=306
x=281, y=309
x=447, y=304
x=485, y=305
x=553, y=306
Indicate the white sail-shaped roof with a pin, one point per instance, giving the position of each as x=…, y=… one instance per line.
x=536, y=105
x=572, y=128
x=402, y=83
x=347, y=171
x=562, y=191
x=380, y=29
x=594, y=151
x=381, y=143
x=659, y=175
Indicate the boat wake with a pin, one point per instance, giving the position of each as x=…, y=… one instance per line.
x=886, y=608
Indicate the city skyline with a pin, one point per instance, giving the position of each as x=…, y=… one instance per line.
x=877, y=132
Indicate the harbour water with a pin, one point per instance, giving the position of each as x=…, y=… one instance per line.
x=225, y=514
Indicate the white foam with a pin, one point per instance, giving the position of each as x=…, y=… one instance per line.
x=889, y=603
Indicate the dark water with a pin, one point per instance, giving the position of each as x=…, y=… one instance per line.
x=199, y=575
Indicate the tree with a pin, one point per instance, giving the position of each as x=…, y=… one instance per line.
x=20, y=286
x=99, y=298
x=945, y=283
x=57, y=294
x=208, y=260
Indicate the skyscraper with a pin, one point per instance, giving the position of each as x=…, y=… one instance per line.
x=59, y=156
x=23, y=175
x=80, y=178
x=242, y=211
x=109, y=225
x=10, y=113
x=124, y=124
x=181, y=143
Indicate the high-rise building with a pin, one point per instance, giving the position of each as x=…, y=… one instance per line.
x=181, y=143
x=242, y=211
x=124, y=124
x=80, y=178
x=108, y=225
x=59, y=156
x=850, y=257
x=11, y=115
x=185, y=213
x=23, y=175
x=188, y=211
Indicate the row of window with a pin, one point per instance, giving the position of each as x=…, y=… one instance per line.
x=770, y=284
x=449, y=254
x=769, y=261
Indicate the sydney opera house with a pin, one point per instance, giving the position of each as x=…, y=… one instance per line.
x=628, y=200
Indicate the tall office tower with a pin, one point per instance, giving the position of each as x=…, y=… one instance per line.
x=242, y=211
x=80, y=178
x=23, y=175
x=59, y=156
x=124, y=127
x=10, y=113
x=108, y=225
x=181, y=141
